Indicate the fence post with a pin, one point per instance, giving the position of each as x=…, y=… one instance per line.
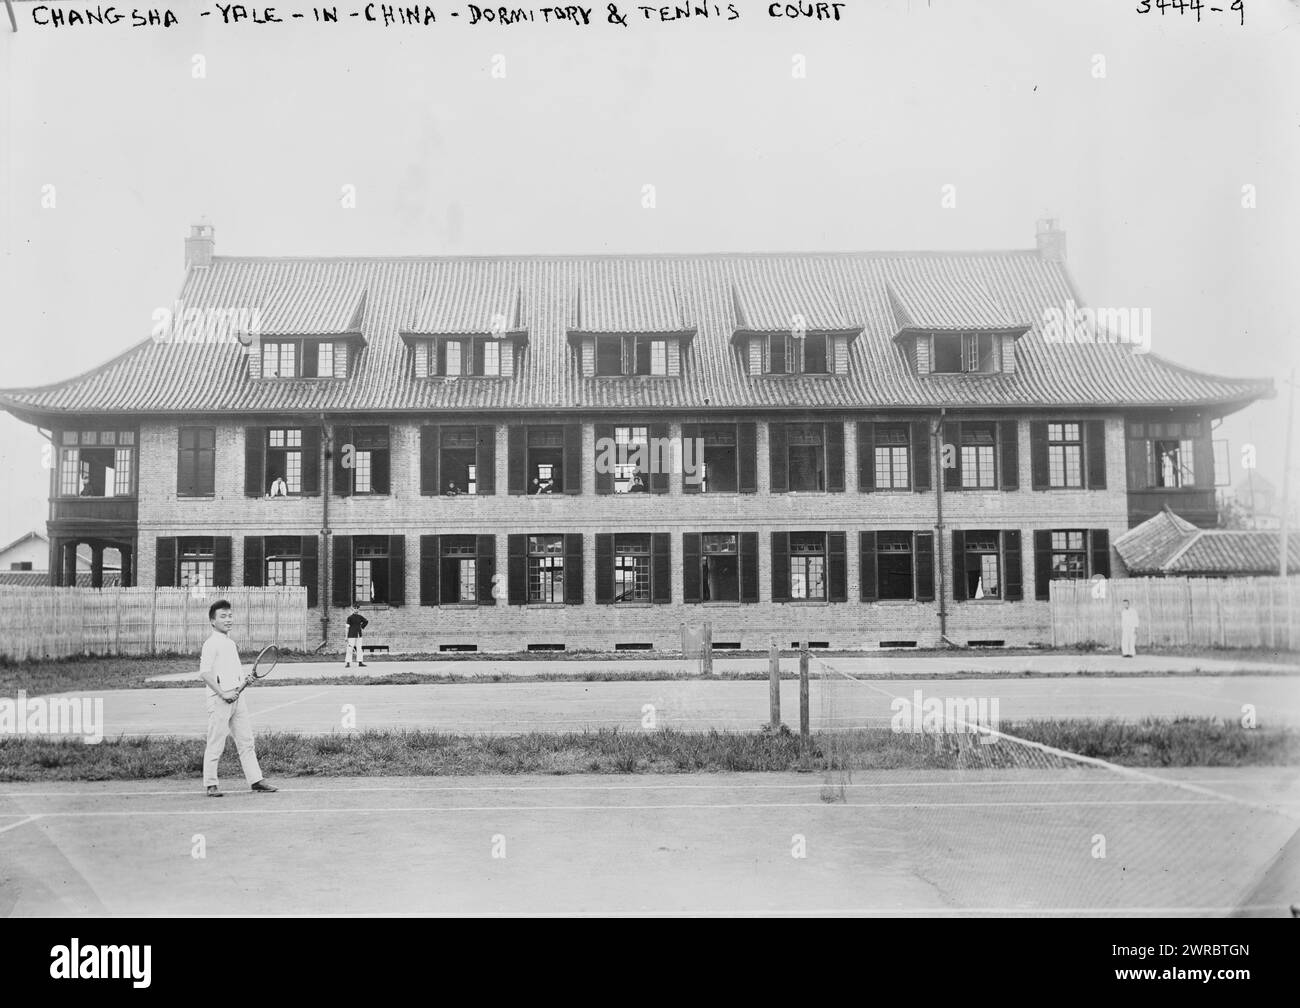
x=773, y=684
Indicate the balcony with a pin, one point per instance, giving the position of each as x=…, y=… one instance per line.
x=1196, y=504
x=85, y=513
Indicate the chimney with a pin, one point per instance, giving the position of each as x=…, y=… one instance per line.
x=1051, y=241
x=199, y=246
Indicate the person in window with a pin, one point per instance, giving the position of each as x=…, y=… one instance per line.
x=453, y=490
x=85, y=487
x=279, y=488
x=543, y=486
x=638, y=484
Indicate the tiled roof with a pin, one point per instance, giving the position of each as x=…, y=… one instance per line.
x=39, y=579
x=311, y=305
x=919, y=304
x=715, y=294
x=617, y=296
x=1166, y=544
x=1147, y=546
x=477, y=296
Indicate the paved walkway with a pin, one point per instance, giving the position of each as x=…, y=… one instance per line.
x=884, y=666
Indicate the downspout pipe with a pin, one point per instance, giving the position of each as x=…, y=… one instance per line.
x=941, y=539
x=323, y=562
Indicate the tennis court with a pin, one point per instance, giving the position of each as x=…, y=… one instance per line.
x=937, y=842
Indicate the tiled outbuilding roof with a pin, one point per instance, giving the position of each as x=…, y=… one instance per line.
x=716, y=295
x=1166, y=544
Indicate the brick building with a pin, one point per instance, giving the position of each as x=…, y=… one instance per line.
x=852, y=448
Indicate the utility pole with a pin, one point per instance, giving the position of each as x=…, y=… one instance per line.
x=1286, y=477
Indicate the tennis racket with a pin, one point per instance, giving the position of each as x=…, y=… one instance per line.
x=265, y=662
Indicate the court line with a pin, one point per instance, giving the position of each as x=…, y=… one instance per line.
x=191, y=791
x=701, y=807
x=24, y=822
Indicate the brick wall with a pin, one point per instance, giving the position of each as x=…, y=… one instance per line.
x=503, y=627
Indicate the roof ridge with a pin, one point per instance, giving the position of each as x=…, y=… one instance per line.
x=589, y=256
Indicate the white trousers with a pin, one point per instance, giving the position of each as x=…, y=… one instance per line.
x=354, y=647
x=1128, y=640
x=225, y=720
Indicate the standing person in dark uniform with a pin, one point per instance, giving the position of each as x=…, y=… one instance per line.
x=356, y=624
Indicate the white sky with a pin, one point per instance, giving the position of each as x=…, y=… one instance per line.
x=1144, y=168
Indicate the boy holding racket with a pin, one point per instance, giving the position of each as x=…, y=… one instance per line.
x=220, y=668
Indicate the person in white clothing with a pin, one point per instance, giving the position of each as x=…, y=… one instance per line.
x=1128, y=631
x=228, y=714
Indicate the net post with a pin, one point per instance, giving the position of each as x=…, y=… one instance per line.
x=804, y=728
x=774, y=684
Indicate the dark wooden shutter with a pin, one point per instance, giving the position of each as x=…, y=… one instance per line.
x=187, y=455
x=920, y=452
x=1100, y=553
x=344, y=451
x=1139, y=465
x=379, y=466
x=1042, y=563
x=517, y=570
x=1038, y=455
x=1009, y=446
x=429, y=570
x=430, y=446
x=604, y=480
x=573, y=575
x=485, y=547
x=479, y=354
x=780, y=566
x=867, y=566
x=661, y=567
x=866, y=457
x=343, y=571
x=959, y=566
x=923, y=557
x=1203, y=454
x=834, y=446
x=749, y=567
x=310, y=461
x=164, y=562
x=254, y=461
x=604, y=568
x=952, y=437
x=396, y=570
x=1094, y=438
x=690, y=441
x=254, y=562
x=837, y=567
x=573, y=458
x=485, y=460
x=691, y=567
x=1013, y=577
x=658, y=480
x=517, y=462
x=777, y=459
x=441, y=355
x=747, y=457
x=205, y=465
x=221, y=562
x=309, y=573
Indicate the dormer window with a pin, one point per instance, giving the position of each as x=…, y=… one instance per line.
x=965, y=353
x=465, y=357
x=808, y=354
x=304, y=359
x=631, y=355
